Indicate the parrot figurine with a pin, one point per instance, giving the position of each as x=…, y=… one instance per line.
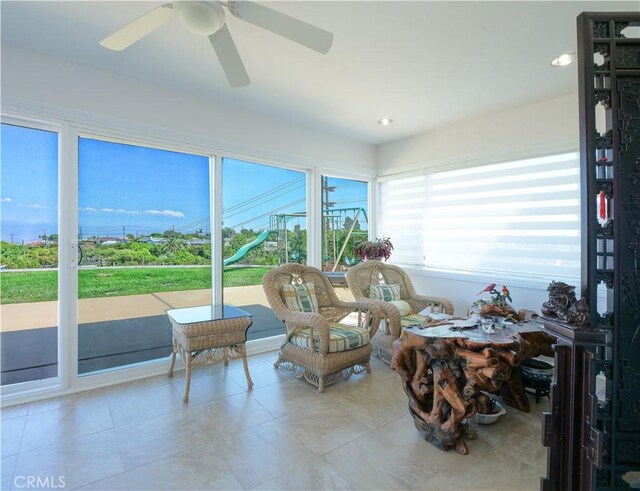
x=505, y=293
x=489, y=288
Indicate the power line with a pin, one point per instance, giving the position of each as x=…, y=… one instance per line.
x=259, y=196
x=269, y=212
x=285, y=192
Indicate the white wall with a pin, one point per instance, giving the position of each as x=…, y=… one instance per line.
x=544, y=128
x=51, y=87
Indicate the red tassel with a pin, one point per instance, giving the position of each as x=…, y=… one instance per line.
x=603, y=206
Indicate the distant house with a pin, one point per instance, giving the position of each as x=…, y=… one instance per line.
x=108, y=240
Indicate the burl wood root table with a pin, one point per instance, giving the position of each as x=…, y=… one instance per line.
x=443, y=373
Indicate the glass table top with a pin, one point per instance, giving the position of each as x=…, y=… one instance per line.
x=192, y=315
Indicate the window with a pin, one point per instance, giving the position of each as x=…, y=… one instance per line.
x=344, y=220
x=29, y=254
x=264, y=223
x=517, y=218
x=143, y=231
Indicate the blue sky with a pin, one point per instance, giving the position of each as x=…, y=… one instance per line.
x=143, y=189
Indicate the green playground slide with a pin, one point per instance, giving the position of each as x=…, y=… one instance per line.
x=247, y=247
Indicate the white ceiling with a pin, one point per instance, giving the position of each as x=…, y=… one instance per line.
x=423, y=64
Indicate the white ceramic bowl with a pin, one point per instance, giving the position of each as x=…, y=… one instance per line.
x=439, y=317
x=489, y=419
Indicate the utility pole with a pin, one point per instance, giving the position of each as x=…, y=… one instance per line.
x=124, y=236
x=326, y=204
x=11, y=238
x=80, y=233
x=44, y=236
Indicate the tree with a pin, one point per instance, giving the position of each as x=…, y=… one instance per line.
x=348, y=221
x=173, y=245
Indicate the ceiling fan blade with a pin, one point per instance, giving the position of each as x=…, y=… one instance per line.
x=282, y=24
x=229, y=57
x=139, y=28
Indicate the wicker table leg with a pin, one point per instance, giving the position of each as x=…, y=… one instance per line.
x=173, y=362
x=187, y=377
x=246, y=366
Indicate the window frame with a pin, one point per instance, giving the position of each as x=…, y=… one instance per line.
x=530, y=281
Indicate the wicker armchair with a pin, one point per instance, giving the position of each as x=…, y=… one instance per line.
x=362, y=276
x=322, y=361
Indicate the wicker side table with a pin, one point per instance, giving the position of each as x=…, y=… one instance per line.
x=209, y=334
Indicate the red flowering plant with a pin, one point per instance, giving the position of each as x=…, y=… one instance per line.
x=377, y=249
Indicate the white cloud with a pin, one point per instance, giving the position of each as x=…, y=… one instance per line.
x=166, y=213
x=38, y=206
x=122, y=211
x=6, y=200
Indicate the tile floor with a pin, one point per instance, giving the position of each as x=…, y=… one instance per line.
x=281, y=435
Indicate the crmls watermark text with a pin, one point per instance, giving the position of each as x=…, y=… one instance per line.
x=39, y=482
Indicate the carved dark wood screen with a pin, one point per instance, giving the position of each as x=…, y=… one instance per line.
x=593, y=429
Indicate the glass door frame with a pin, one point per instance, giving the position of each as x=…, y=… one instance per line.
x=60, y=381
x=68, y=379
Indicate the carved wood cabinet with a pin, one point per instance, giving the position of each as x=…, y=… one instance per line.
x=592, y=430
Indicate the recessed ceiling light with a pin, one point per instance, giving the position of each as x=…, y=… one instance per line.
x=385, y=121
x=564, y=59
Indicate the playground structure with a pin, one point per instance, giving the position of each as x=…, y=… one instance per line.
x=339, y=226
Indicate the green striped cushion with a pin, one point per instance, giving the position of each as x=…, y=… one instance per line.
x=402, y=306
x=341, y=338
x=300, y=297
x=384, y=292
x=411, y=320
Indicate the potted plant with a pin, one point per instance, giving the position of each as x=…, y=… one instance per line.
x=377, y=249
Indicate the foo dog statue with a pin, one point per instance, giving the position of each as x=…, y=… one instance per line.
x=564, y=305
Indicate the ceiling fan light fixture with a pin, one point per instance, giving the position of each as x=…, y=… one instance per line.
x=565, y=59
x=201, y=18
x=385, y=121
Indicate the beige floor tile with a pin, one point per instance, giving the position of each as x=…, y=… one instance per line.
x=8, y=466
x=209, y=387
x=96, y=395
x=14, y=411
x=288, y=397
x=404, y=435
x=12, y=431
x=374, y=401
x=67, y=422
x=314, y=475
x=324, y=427
x=523, y=441
x=113, y=483
x=140, y=405
x=262, y=373
x=262, y=453
x=484, y=468
x=143, y=442
x=79, y=461
x=373, y=462
x=197, y=468
x=230, y=415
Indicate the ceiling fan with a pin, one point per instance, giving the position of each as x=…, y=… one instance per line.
x=207, y=19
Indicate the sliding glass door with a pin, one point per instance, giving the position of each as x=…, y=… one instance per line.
x=29, y=254
x=145, y=247
x=264, y=223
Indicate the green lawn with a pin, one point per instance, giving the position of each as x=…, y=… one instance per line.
x=40, y=286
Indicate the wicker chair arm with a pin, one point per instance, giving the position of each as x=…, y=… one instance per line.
x=372, y=313
x=318, y=325
x=421, y=302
